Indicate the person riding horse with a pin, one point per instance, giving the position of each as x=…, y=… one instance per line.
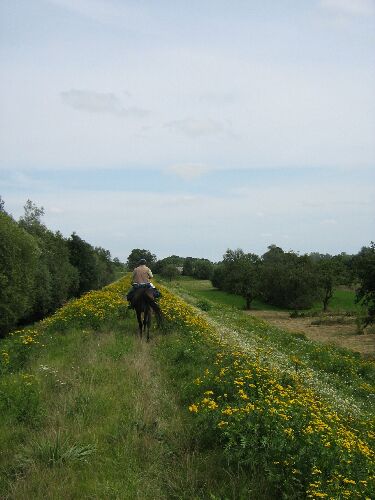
x=141, y=279
x=142, y=298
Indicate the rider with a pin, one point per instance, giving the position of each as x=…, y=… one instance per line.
x=141, y=278
x=142, y=274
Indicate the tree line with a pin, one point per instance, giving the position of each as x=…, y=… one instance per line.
x=40, y=269
x=279, y=278
x=172, y=266
x=293, y=281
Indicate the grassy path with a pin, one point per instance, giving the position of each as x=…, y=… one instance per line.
x=102, y=428
x=96, y=415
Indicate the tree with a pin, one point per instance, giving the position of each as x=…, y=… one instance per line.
x=173, y=259
x=188, y=266
x=331, y=271
x=56, y=279
x=2, y=204
x=241, y=274
x=32, y=214
x=137, y=254
x=364, y=264
x=287, y=279
x=202, y=269
x=170, y=272
x=218, y=276
x=18, y=264
x=82, y=257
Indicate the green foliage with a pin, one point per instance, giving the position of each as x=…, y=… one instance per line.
x=241, y=274
x=55, y=451
x=287, y=279
x=2, y=205
x=174, y=260
x=136, y=255
x=202, y=269
x=40, y=270
x=364, y=264
x=331, y=271
x=20, y=399
x=82, y=257
x=204, y=305
x=18, y=265
x=169, y=271
x=188, y=266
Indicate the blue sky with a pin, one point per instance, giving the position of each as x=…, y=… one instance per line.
x=191, y=127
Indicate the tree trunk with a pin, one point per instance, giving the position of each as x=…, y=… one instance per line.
x=327, y=298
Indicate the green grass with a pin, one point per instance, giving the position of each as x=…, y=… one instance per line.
x=343, y=300
x=100, y=414
x=202, y=289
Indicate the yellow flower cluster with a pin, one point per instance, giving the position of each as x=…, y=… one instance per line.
x=91, y=309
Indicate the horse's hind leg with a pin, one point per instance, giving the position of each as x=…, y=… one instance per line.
x=139, y=318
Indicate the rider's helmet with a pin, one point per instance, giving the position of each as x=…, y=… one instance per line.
x=142, y=262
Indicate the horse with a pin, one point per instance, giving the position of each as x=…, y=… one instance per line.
x=144, y=303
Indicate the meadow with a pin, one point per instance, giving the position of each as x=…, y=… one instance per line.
x=338, y=326
x=343, y=299
x=218, y=405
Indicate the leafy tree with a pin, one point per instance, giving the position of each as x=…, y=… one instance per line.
x=105, y=269
x=173, y=259
x=188, y=266
x=287, y=279
x=2, y=205
x=218, y=276
x=202, y=269
x=364, y=264
x=82, y=257
x=137, y=254
x=170, y=272
x=18, y=262
x=241, y=274
x=331, y=271
x=32, y=215
x=64, y=276
x=55, y=277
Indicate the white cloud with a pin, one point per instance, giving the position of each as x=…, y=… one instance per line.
x=194, y=128
x=350, y=7
x=188, y=171
x=99, y=102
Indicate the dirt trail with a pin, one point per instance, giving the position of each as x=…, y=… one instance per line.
x=340, y=334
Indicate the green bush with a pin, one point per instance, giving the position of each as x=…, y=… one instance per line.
x=204, y=305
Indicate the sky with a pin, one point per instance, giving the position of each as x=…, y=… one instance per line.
x=191, y=127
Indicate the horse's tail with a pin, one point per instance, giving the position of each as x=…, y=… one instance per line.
x=156, y=309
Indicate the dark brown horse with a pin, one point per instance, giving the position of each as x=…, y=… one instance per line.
x=145, y=305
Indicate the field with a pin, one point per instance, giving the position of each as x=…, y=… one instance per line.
x=338, y=326
x=219, y=405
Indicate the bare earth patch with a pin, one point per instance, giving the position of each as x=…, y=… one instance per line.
x=342, y=335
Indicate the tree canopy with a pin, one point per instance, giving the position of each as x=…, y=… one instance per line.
x=137, y=254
